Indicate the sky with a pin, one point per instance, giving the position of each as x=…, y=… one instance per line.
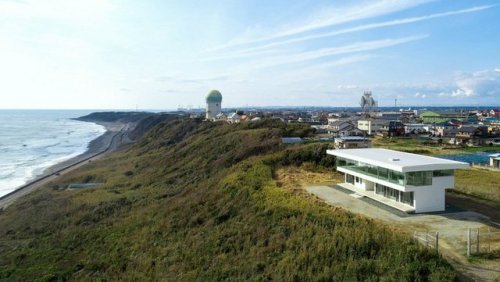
x=165, y=54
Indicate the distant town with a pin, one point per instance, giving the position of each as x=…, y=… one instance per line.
x=357, y=127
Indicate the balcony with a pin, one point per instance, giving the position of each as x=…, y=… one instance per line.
x=414, y=178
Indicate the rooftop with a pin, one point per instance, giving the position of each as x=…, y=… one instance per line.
x=396, y=160
x=352, y=138
x=214, y=96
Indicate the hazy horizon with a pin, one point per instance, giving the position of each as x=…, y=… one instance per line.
x=109, y=54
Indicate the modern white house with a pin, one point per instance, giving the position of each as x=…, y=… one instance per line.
x=408, y=182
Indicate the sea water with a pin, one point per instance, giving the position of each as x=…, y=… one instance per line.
x=33, y=140
x=477, y=157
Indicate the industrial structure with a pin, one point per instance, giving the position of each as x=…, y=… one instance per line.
x=368, y=104
x=408, y=182
x=214, y=104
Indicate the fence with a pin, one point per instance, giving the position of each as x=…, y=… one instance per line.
x=483, y=241
x=428, y=239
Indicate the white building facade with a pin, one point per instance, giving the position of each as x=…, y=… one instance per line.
x=408, y=182
x=370, y=126
x=214, y=104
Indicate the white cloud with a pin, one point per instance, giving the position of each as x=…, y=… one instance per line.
x=365, y=27
x=480, y=83
x=325, y=52
x=335, y=16
x=348, y=86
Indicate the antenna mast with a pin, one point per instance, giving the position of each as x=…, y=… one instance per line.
x=367, y=103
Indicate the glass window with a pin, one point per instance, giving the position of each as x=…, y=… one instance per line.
x=419, y=178
x=396, y=177
x=383, y=173
x=341, y=162
x=407, y=198
x=350, y=179
x=439, y=173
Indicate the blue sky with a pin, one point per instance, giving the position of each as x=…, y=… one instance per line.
x=110, y=54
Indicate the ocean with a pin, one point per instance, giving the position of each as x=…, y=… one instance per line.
x=33, y=140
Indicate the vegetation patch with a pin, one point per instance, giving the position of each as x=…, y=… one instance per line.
x=204, y=201
x=481, y=183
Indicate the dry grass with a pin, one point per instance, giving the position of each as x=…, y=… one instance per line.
x=481, y=183
x=295, y=177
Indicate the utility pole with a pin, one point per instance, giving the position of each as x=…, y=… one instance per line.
x=468, y=242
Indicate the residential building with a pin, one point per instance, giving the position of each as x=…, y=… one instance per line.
x=221, y=116
x=341, y=128
x=233, y=118
x=494, y=113
x=388, y=115
x=495, y=161
x=444, y=129
x=472, y=135
x=370, y=126
x=408, y=182
x=392, y=129
x=416, y=128
x=350, y=142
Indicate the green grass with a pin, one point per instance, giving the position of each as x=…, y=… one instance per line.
x=425, y=148
x=479, y=183
x=198, y=201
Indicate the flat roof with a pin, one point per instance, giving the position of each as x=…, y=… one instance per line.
x=352, y=138
x=397, y=160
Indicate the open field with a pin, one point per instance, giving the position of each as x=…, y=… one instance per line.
x=481, y=183
x=422, y=147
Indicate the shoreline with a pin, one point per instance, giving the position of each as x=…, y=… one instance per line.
x=108, y=142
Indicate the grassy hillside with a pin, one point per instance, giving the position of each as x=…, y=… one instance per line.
x=198, y=201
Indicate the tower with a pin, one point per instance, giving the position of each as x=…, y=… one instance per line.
x=368, y=104
x=214, y=101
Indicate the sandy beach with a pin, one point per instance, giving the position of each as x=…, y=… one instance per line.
x=111, y=140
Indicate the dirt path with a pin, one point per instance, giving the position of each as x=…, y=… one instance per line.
x=473, y=204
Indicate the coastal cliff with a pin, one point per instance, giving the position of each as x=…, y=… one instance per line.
x=194, y=200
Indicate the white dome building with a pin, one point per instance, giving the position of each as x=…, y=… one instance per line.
x=214, y=104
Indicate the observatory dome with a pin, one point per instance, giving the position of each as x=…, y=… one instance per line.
x=214, y=96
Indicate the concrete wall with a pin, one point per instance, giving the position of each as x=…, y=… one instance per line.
x=212, y=110
x=429, y=199
x=365, y=185
x=446, y=182
x=359, y=185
